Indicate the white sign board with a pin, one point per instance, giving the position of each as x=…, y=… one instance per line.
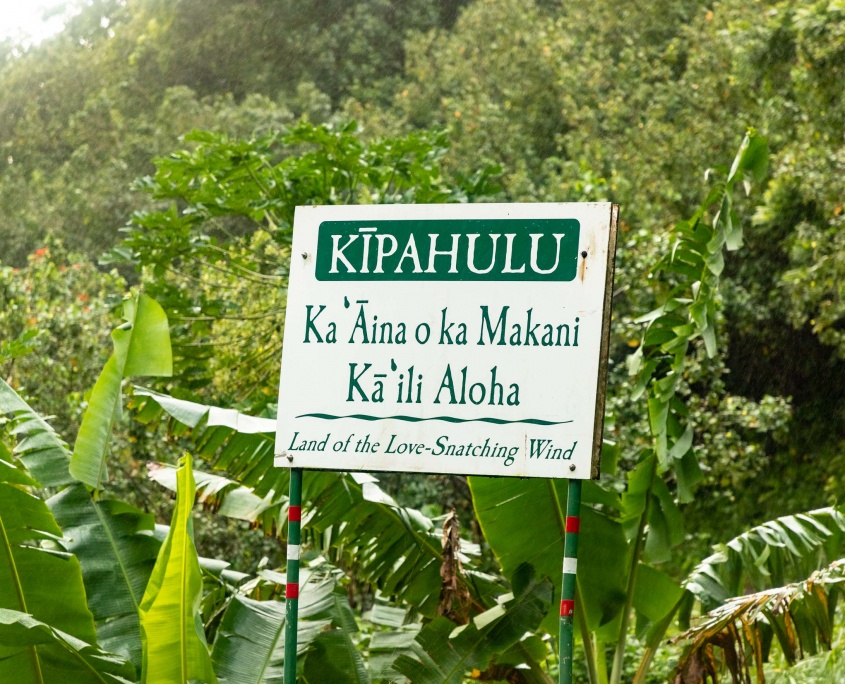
x=465, y=339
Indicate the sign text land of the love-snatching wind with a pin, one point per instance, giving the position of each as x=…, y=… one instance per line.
x=465, y=339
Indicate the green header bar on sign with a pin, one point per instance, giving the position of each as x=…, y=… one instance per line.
x=460, y=250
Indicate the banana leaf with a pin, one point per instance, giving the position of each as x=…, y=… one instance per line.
x=250, y=648
x=116, y=548
x=172, y=632
x=34, y=653
x=798, y=616
x=524, y=520
x=769, y=555
x=395, y=548
x=221, y=494
x=141, y=347
x=334, y=658
x=45, y=455
x=443, y=652
x=113, y=541
x=35, y=570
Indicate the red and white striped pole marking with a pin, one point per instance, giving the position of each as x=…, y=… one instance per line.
x=570, y=567
x=292, y=573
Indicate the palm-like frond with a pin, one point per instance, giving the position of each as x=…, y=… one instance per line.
x=393, y=547
x=59, y=657
x=39, y=448
x=770, y=555
x=800, y=616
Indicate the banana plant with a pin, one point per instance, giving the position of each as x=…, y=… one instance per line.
x=799, y=617
x=626, y=536
x=794, y=604
x=113, y=541
x=395, y=548
x=34, y=568
x=42, y=639
x=250, y=647
x=442, y=652
x=779, y=551
x=100, y=555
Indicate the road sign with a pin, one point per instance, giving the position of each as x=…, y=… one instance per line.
x=465, y=339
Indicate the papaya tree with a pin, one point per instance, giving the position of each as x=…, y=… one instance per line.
x=795, y=565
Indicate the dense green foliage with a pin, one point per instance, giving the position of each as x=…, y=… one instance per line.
x=172, y=141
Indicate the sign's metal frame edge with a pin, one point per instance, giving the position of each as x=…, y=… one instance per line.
x=601, y=388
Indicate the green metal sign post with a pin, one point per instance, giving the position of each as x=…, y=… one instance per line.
x=292, y=577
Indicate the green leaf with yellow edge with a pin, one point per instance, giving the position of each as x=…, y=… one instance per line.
x=172, y=633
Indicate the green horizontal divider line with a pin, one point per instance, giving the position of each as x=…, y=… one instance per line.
x=446, y=419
